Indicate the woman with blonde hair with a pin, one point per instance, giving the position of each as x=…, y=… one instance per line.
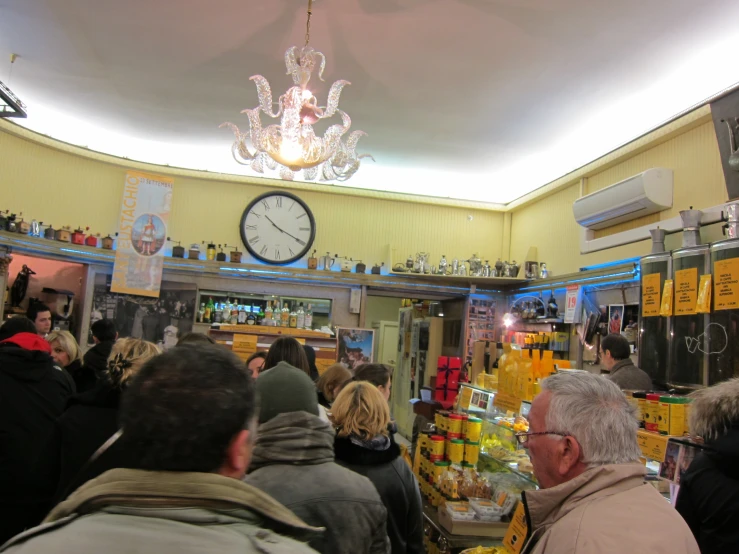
x=331, y=382
x=67, y=355
x=92, y=418
x=365, y=445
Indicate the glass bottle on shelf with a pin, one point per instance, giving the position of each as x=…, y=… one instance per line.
x=309, y=318
x=251, y=318
x=259, y=314
x=226, y=315
x=218, y=311
x=293, y=318
x=268, y=312
x=242, y=315
x=201, y=313
x=208, y=316
x=235, y=314
x=285, y=315
x=301, y=317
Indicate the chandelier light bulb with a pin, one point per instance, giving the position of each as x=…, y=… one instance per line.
x=290, y=151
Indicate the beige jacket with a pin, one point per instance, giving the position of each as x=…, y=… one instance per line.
x=157, y=512
x=606, y=510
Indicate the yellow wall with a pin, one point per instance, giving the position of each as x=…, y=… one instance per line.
x=62, y=188
x=548, y=223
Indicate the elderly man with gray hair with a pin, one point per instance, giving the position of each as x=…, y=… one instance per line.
x=593, y=498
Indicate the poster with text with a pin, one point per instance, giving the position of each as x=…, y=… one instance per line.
x=142, y=234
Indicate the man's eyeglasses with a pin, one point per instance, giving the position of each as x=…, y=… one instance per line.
x=523, y=438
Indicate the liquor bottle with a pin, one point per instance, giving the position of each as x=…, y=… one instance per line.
x=268, y=312
x=301, y=317
x=242, y=315
x=251, y=317
x=285, y=315
x=226, y=313
x=208, y=316
x=309, y=318
x=201, y=313
x=260, y=316
x=235, y=314
x=218, y=310
x=293, y=318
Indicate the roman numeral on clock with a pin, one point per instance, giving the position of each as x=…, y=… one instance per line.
x=277, y=254
x=278, y=202
x=263, y=251
x=266, y=206
x=252, y=227
x=304, y=229
x=254, y=240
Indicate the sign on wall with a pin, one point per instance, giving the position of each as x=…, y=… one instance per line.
x=142, y=234
x=573, y=304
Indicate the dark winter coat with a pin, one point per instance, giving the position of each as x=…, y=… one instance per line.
x=84, y=377
x=629, y=377
x=96, y=358
x=709, y=496
x=397, y=486
x=89, y=421
x=33, y=394
x=293, y=462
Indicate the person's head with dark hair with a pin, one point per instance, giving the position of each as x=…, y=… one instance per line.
x=195, y=339
x=289, y=350
x=193, y=409
x=16, y=325
x=104, y=330
x=379, y=375
x=255, y=363
x=40, y=314
x=613, y=349
x=311, y=355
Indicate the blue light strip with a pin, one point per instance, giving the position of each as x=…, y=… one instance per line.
x=94, y=254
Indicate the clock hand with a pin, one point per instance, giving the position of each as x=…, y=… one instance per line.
x=281, y=231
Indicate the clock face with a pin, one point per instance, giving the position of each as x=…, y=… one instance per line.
x=278, y=228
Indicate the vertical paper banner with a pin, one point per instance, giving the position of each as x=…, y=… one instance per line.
x=686, y=291
x=573, y=304
x=142, y=234
x=650, y=295
x=726, y=284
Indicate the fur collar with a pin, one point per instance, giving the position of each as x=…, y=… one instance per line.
x=350, y=453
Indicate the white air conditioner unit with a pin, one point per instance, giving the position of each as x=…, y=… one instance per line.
x=637, y=196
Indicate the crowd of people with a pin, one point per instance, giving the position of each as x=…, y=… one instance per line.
x=127, y=449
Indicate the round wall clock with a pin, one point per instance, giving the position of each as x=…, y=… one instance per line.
x=278, y=228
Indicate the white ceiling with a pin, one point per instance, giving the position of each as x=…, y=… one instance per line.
x=471, y=99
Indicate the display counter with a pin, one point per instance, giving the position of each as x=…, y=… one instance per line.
x=244, y=340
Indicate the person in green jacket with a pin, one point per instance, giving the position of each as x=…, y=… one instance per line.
x=188, y=428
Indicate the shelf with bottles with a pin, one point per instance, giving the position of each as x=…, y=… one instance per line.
x=229, y=308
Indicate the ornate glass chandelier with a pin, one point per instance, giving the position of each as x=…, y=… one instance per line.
x=293, y=146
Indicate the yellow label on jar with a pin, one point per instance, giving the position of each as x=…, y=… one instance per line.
x=650, y=295
x=686, y=291
x=677, y=419
x=665, y=309
x=704, y=295
x=663, y=418
x=726, y=287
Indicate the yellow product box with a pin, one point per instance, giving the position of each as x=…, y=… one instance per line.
x=686, y=423
x=663, y=417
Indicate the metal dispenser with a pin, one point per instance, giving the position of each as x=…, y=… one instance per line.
x=689, y=358
x=722, y=334
x=654, y=329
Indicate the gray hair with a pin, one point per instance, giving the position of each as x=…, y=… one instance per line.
x=594, y=411
x=715, y=410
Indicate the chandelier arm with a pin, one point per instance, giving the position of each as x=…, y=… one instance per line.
x=307, y=23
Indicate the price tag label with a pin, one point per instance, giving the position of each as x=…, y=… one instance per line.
x=518, y=531
x=726, y=286
x=653, y=446
x=507, y=402
x=650, y=295
x=686, y=291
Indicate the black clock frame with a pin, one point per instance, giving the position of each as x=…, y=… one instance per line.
x=256, y=254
